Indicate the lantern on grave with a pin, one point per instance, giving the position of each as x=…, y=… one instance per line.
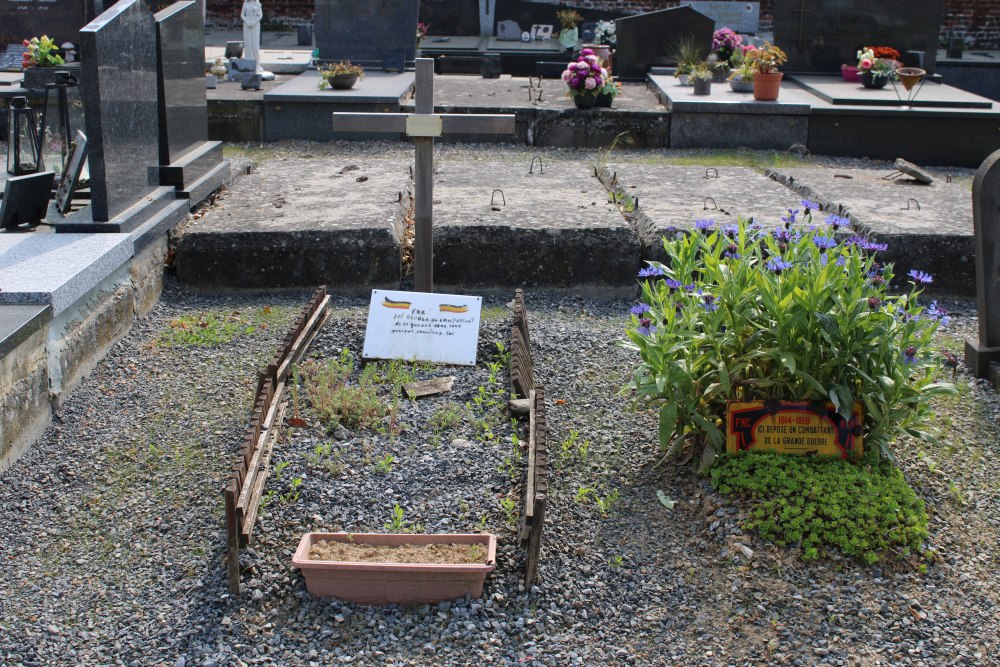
x=61, y=115
x=22, y=138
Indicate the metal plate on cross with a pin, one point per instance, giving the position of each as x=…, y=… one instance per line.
x=422, y=326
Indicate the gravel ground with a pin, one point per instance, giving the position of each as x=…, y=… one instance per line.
x=112, y=534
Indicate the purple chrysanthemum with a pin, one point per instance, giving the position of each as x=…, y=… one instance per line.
x=672, y=285
x=937, y=313
x=650, y=272
x=704, y=223
x=824, y=242
x=920, y=277
x=836, y=222
x=731, y=230
x=872, y=246
x=809, y=205
x=790, y=218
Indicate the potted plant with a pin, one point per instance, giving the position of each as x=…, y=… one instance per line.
x=40, y=60
x=609, y=91
x=876, y=65
x=764, y=61
x=340, y=76
x=569, y=19
x=701, y=76
x=604, y=38
x=688, y=54
x=741, y=77
x=725, y=45
x=584, y=79
x=395, y=568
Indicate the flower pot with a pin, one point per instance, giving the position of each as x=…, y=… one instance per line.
x=766, y=86
x=872, y=80
x=720, y=74
x=684, y=79
x=850, y=74
x=741, y=86
x=342, y=81
x=702, y=86
x=587, y=101
x=604, y=100
x=394, y=583
x=568, y=37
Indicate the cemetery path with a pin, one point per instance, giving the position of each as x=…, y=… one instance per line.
x=111, y=531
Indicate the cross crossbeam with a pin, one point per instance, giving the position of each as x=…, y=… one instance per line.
x=423, y=126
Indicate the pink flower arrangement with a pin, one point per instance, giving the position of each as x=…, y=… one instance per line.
x=725, y=42
x=585, y=76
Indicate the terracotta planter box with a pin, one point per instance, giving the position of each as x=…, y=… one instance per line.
x=394, y=583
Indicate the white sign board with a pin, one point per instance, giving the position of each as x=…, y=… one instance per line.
x=419, y=326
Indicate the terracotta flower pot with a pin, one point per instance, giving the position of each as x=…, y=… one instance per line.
x=585, y=101
x=766, y=86
x=394, y=583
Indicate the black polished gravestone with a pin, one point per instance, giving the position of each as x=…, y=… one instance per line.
x=450, y=17
x=652, y=39
x=25, y=199
x=118, y=52
x=982, y=355
x=821, y=35
x=188, y=161
x=367, y=33
x=59, y=19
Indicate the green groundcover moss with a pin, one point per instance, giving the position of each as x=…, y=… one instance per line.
x=864, y=510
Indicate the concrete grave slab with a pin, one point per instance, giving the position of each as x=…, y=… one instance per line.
x=298, y=222
x=927, y=227
x=553, y=228
x=57, y=269
x=676, y=196
x=839, y=92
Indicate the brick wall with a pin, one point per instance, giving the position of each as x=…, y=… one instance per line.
x=976, y=21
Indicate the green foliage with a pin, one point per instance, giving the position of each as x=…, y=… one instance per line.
x=336, y=401
x=397, y=522
x=571, y=447
x=445, y=417
x=866, y=511
x=209, y=329
x=606, y=504
x=384, y=464
x=326, y=457
x=509, y=507
x=743, y=314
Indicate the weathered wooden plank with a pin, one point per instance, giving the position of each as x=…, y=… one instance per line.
x=477, y=124
x=344, y=121
x=232, y=540
x=529, y=486
x=261, y=479
x=265, y=427
x=294, y=351
x=535, y=543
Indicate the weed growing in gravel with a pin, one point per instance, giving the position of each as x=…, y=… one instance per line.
x=509, y=507
x=583, y=493
x=326, y=457
x=213, y=328
x=606, y=504
x=446, y=417
x=384, y=464
x=512, y=462
x=615, y=562
x=292, y=495
x=334, y=400
x=817, y=503
x=570, y=447
x=397, y=522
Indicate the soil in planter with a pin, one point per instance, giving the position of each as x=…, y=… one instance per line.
x=445, y=554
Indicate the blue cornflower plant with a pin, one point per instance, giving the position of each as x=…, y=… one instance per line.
x=796, y=316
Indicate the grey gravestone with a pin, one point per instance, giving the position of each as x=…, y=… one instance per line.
x=452, y=17
x=366, y=31
x=25, y=199
x=821, y=35
x=913, y=171
x=59, y=19
x=986, y=223
x=743, y=17
x=182, y=104
x=649, y=40
x=509, y=30
x=251, y=81
x=118, y=51
x=12, y=57
x=305, y=35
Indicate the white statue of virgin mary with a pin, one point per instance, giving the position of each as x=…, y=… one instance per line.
x=252, y=15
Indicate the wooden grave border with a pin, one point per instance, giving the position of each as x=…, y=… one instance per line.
x=249, y=472
x=522, y=370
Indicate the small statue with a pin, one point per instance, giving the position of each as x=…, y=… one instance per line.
x=252, y=15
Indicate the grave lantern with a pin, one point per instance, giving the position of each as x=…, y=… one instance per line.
x=22, y=138
x=62, y=113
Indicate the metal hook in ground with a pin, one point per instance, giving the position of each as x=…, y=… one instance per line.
x=911, y=199
x=541, y=167
x=705, y=204
x=502, y=198
x=709, y=170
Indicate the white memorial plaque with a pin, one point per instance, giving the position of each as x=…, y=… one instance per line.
x=421, y=326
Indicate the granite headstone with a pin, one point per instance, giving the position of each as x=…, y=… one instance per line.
x=366, y=32
x=982, y=353
x=25, y=199
x=648, y=40
x=821, y=35
x=118, y=51
x=12, y=57
x=182, y=103
x=742, y=17
x=450, y=17
x=59, y=19
x=509, y=31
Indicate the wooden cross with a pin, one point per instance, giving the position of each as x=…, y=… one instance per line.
x=423, y=126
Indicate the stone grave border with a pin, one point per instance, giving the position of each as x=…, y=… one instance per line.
x=249, y=473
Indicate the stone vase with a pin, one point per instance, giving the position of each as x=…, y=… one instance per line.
x=587, y=101
x=874, y=81
x=395, y=583
x=741, y=86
